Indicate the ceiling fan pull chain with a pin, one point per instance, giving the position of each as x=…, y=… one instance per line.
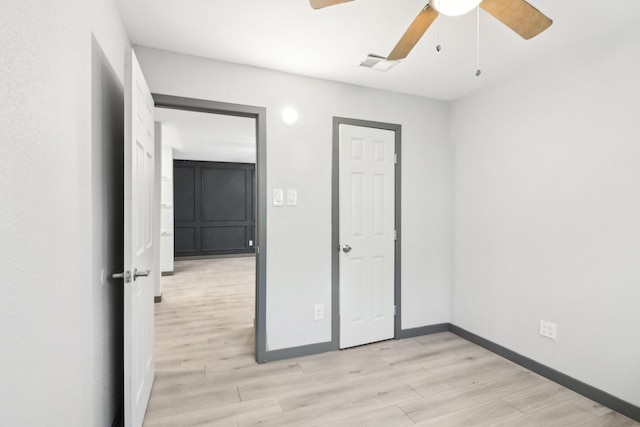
x=438, y=47
x=478, y=72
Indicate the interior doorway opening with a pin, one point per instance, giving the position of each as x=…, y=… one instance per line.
x=242, y=141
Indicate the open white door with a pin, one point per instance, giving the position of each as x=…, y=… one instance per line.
x=138, y=242
x=367, y=222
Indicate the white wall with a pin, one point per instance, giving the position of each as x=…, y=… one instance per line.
x=158, y=183
x=546, y=213
x=166, y=209
x=546, y=180
x=55, y=328
x=299, y=239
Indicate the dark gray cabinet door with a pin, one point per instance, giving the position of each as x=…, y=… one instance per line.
x=213, y=208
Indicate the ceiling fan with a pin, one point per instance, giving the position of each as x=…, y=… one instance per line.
x=520, y=16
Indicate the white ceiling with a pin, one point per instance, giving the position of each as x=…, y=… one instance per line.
x=288, y=35
x=208, y=137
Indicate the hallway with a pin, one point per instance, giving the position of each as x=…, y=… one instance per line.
x=204, y=326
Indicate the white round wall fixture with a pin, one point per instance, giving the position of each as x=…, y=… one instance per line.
x=289, y=116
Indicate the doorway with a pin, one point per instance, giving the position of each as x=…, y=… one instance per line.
x=258, y=114
x=366, y=232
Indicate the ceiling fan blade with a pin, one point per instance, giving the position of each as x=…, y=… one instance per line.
x=413, y=34
x=518, y=15
x=319, y=4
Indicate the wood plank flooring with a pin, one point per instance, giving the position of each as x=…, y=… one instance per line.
x=206, y=374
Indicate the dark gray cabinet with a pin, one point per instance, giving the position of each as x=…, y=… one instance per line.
x=214, y=211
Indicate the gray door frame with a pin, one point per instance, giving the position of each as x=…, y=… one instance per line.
x=335, y=224
x=260, y=116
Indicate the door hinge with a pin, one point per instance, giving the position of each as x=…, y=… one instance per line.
x=395, y=311
x=395, y=159
x=395, y=235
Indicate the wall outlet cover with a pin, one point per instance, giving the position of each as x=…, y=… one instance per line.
x=548, y=329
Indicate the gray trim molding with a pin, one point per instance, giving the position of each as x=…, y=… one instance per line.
x=196, y=257
x=303, y=350
x=593, y=393
x=335, y=221
x=424, y=330
x=260, y=116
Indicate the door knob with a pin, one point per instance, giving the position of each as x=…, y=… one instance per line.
x=346, y=248
x=137, y=273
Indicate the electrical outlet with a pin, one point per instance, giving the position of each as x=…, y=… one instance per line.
x=318, y=312
x=548, y=329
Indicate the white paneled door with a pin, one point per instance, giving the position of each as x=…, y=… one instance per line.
x=366, y=235
x=138, y=242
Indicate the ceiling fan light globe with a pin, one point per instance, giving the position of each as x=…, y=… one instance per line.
x=454, y=7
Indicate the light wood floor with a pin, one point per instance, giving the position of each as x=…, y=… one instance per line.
x=206, y=374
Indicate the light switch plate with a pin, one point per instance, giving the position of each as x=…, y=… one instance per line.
x=292, y=197
x=278, y=197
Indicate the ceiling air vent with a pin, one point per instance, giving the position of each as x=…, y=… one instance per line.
x=378, y=63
